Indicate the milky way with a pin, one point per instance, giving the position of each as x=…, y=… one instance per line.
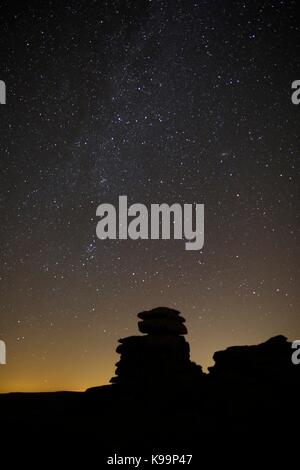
x=165, y=102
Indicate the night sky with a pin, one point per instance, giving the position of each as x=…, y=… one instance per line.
x=162, y=101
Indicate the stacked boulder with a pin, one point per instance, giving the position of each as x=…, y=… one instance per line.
x=161, y=357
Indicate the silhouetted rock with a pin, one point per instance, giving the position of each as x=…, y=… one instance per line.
x=162, y=326
x=160, y=357
x=161, y=321
x=266, y=362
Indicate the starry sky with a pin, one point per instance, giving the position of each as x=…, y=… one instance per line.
x=162, y=101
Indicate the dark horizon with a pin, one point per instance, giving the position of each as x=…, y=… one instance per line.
x=160, y=406
x=205, y=370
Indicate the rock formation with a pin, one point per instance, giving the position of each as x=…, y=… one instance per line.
x=161, y=356
x=266, y=362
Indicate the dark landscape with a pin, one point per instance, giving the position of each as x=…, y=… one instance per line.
x=161, y=402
